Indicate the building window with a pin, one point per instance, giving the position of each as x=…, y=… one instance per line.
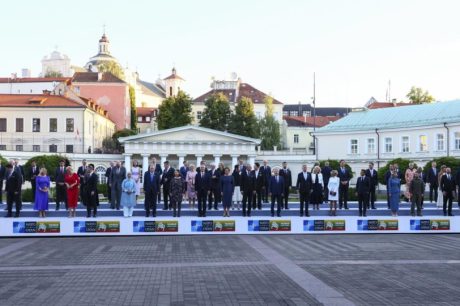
x=19, y=148
x=292, y=113
x=147, y=119
x=405, y=144
x=354, y=146
x=2, y=124
x=440, y=142
x=69, y=148
x=36, y=148
x=170, y=90
x=69, y=126
x=199, y=115
x=53, y=148
x=19, y=124
x=306, y=113
x=285, y=113
x=296, y=138
x=139, y=119
x=388, y=145
x=36, y=125
x=53, y=125
x=423, y=143
x=2, y=147
x=370, y=146
x=457, y=140
x=100, y=171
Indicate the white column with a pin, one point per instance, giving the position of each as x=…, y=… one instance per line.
x=198, y=160
x=217, y=159
x=127, y=162
x=234, y=160
x=252, y=160
x=145, y=162
x=181, y=161
x=163, y=159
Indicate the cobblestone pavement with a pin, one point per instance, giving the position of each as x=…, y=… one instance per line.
x=418, y=269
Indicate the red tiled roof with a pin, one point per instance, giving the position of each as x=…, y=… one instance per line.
x=92, y=77
x=245, y=90
x=33, y=80
x=145, y=111
x=376, y=105
x=318, y=121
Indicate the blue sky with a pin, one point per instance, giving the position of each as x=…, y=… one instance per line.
x=354, y=47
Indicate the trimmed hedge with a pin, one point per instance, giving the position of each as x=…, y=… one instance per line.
x=50, y=162
x=335, y=165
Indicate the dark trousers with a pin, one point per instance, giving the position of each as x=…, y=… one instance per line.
x=247, y=202
x=433, y=190
x=91, y=208
x=176, y=206
x=116, y=196
x=363, y=202
x=279, y=203
x=416, y=201
x=166, y=198
x=447, y=205
x=388, y=198
x=265, y=191
x=343, y=196
x=201, y=195
x=286, y=197
x=109, y=193
x=10, y=198
x=1, y=191
x=371, y=202
x=304, y=201
x=150, y=204
x=213, y=197
x=257, y=199
x=61, y=196
x=34, y=187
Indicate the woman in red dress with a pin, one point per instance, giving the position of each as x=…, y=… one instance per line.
x=72, y=182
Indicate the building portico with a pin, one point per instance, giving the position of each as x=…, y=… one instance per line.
x=191, y=143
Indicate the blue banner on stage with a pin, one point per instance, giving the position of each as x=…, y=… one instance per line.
x=323, y=225
x=430, y=225
x=213, y=225
x=155, y=226
x=378, y=225
x=269, y=225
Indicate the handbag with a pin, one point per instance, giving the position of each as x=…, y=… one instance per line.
x=332, y=193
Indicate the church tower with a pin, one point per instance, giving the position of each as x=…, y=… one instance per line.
x=104, y=45
x=173, y=84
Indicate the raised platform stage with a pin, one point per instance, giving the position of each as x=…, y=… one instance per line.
x=112, y=222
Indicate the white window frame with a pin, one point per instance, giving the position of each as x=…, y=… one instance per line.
x=367, y=146
x=456, y=140
x=436, y=142
x=385, y=144
x=402, y=144
x=351, y=146
x=298, y=138
x=420, y=143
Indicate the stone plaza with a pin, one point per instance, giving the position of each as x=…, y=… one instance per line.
x=394, y=269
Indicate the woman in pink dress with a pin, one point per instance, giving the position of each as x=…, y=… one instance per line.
x=191, y=193
x=72, y=182
x=409, y=176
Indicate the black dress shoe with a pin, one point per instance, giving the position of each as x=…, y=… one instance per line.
x=373, y=207
x=364, y=215
x=88, y=216
x=94, y=216
x=307, y=215
x=451, y=215
x=273, y=215
x=278, y=215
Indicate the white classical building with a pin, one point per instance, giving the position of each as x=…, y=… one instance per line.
x=418, y=132
x=26, y=86
x=191, y=143
x=56, y=62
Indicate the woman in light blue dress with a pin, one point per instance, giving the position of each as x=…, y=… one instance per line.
x=128, y=195
x=394, y=188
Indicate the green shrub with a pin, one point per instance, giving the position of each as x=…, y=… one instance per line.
x=50, y=162
x=451, y=162
x=403, y=165
x=102, y=188
x=27, y=195
x=3, y=160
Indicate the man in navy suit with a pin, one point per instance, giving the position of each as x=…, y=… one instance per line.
x=287, y=176
x=151, y=190
x=448, y=191
x=432, y=179
x=168, y=174
x=61, y=194
x=248, y=184
x=344, y=176
x=81, y=174
x=202, y=187
x=159, y=172
x=214, y=192
x=276, y=190
x=267, y=171
x=2, y=177
x=371, y=173
x=304, y=183
x=12, y=188
x=33, y=172
x=363, y=186
x=259, y=187
x=326, y=172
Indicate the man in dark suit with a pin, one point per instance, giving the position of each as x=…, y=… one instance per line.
x=371, y=173
x=287, y=178
x=267, y=171
x=202, y=186
x=363, y=186
x=259, y=187
x=151, y=190
x=183, y=170
x=214, y=192
x=158, y=171
x=2, y=177
x=168, y=174
x=81, y=174
x=117, y=176
x=12, y=188
x=248, y=184
x=448, y=191
x=90, y=192
x=304, y=183
x=33, y=172
x=20, y=169
x=326, y=172
x=344, y=176
x=276, y=190
x=108, y=174
x=61, y=194
x=432, y=179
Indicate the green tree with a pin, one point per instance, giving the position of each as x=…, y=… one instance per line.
x=403, y=164
x=175, y=111
x=49, y=162
x=3, y=161
x=121, y=133
x=335, y=165
x=109, y=145
x=451, y=162
x=53, y=74
x=132, y=99
x=243, y=121
x=269, y=127
x=113, y=68
x=216, y=114
x=417, y=95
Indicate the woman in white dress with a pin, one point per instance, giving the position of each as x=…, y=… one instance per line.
x=440, y=199
x=136, y=175
x=333, y=187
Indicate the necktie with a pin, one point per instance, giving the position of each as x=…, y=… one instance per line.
x=316, y=179
x=277, y=180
